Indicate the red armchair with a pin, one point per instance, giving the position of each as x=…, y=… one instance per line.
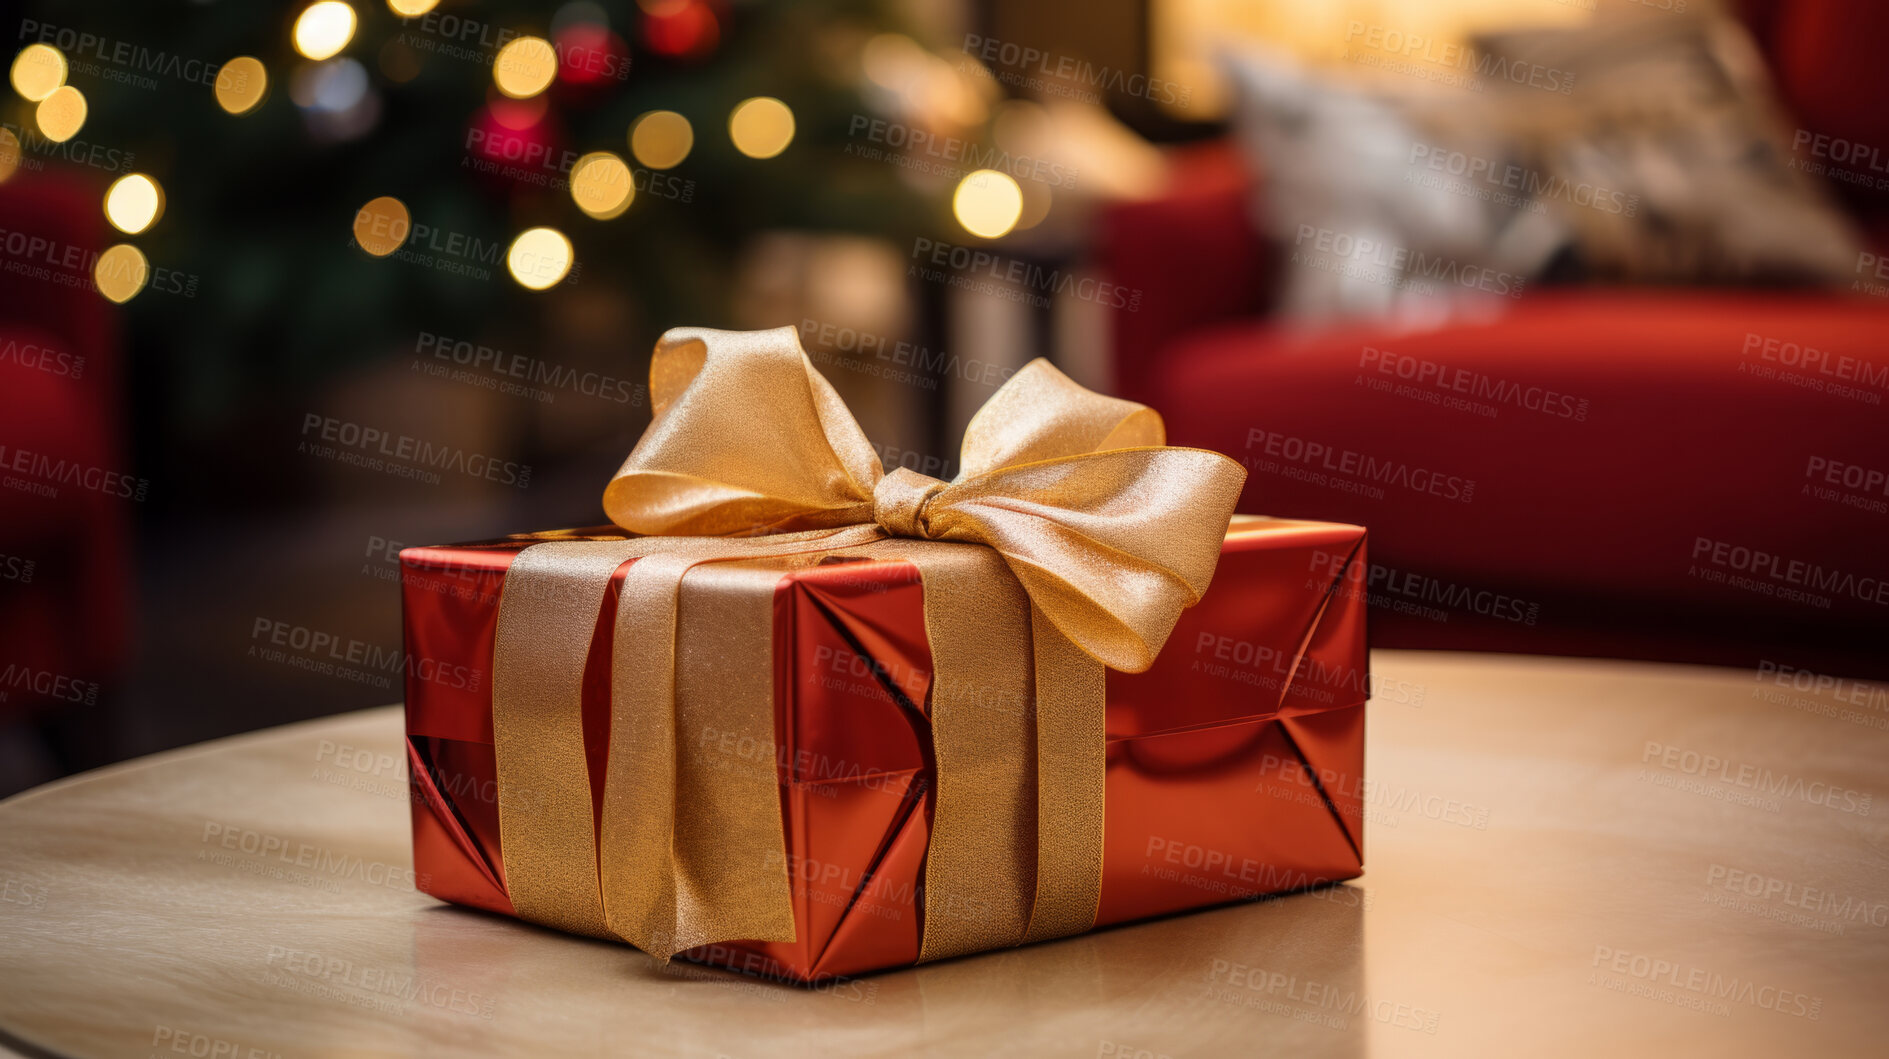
x=1690, y=475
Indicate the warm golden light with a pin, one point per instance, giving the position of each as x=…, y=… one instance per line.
x=411, y=8
x=120, y=272
x=134, y=203
x=9, y=153
x=661, y=139
x=1036, y=203
x=539, y=257
x=38, y=70
x=600, y=185
x=987, y=203
x=382, y=225
x=324, y=29
x=62, y=114
x=1187, y=38
x=761, y=127
x=240, y=84
x=525, y=67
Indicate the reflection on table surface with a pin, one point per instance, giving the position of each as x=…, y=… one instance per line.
x=1561, y=857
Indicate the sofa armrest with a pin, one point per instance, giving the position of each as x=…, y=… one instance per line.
x=1186, y=257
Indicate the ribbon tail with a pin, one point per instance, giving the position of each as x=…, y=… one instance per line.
x=691, y=850
x=1071, y=777
x=980, y=866
x=547, y=611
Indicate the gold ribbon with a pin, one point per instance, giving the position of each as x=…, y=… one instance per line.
x=1075, y=538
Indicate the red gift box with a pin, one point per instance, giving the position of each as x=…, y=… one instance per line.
x=1234, y=768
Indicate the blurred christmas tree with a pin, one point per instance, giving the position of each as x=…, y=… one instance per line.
x=475, y=118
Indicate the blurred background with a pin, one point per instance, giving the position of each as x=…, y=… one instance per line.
x=1579, y=305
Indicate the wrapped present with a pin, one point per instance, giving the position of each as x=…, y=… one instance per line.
x=793, y=715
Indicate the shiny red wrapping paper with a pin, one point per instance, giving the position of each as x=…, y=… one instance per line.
x=1235, y=763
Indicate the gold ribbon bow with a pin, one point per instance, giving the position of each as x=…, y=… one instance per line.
x=1076, y=538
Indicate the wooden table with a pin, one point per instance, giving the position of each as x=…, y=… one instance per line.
x=1563, y=857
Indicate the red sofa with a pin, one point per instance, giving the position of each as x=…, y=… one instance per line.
x=1692, y=475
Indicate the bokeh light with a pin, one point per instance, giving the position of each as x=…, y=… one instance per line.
x=761, y=127
x=987, y=203
x=120, y=272
x=38, y=70
x=382, y=225
x=601, y=186
x=399, y=62
x=62, y=114
x=525, y=67
x=9, y=153
x=661, y=139
x=411, y=8
x=588, y=52
x=240, y=84
x=685, y=29
x=539, y=257
x=324, y=29
x=134, y=203
x=1036, y=203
